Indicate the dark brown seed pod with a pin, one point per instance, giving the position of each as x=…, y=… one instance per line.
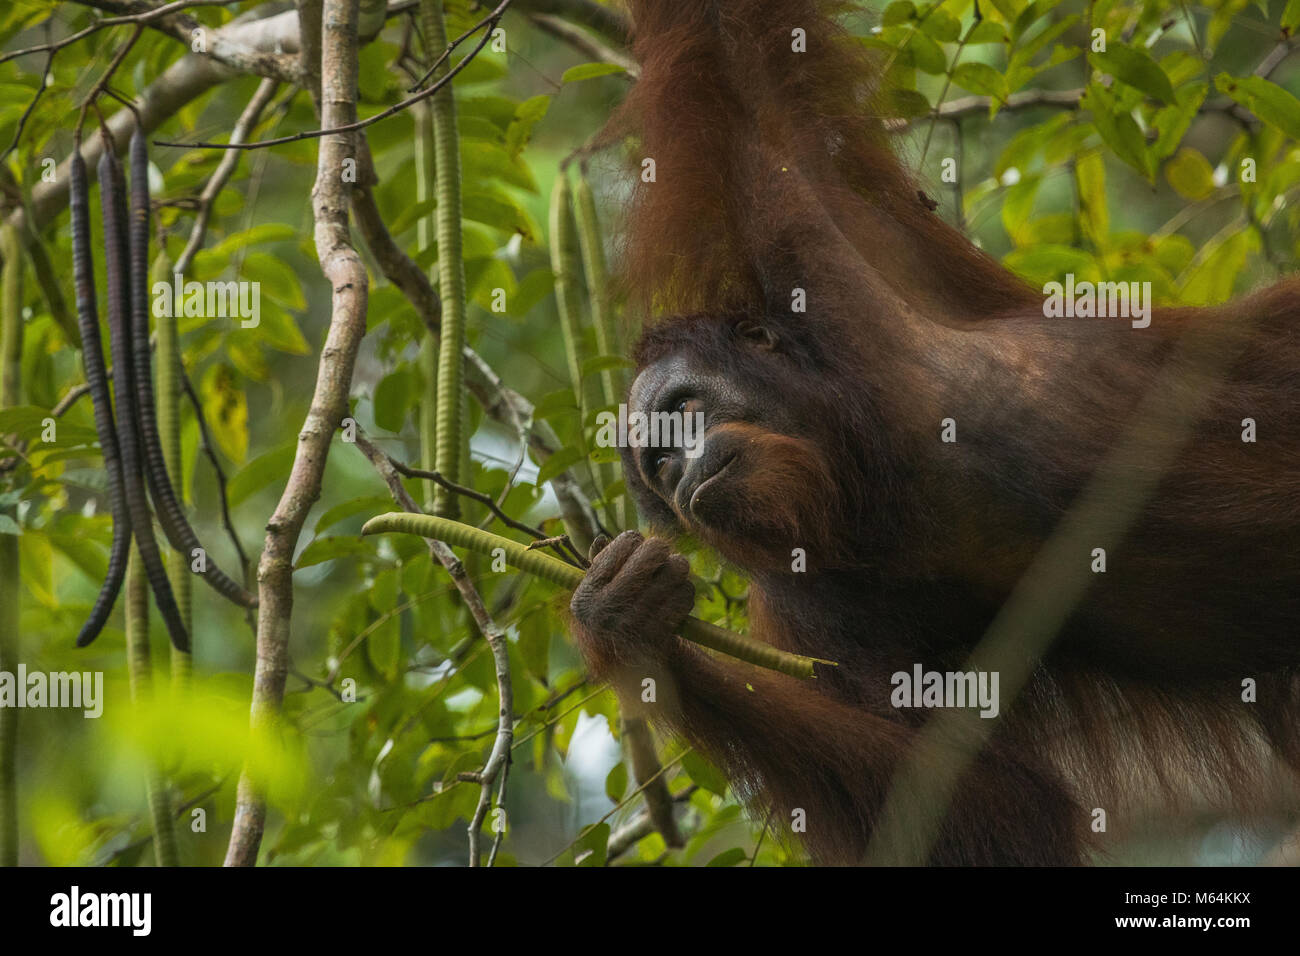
x=92, y=357
x=112, y=193
x=170, y=513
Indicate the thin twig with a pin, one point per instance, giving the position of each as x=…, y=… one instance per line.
x=225, y=169
x=571, y=556
x=370, y=120
x=497, y=766
x=585, y=43
x=22, y=120
x=620, y=805
x=205, y=443
x=147, y=16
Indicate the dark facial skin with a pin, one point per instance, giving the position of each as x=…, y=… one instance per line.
x=758, y=478
x=674, y=384
x=743, y=491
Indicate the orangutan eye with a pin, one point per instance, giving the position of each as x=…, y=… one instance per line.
x=681, y=406
x=660, y=462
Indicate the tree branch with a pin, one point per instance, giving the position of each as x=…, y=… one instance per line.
x=181, y=83
x=585, y=43
x=346, y=274
x=497, y=766
x=222, y=44
x=490, y=21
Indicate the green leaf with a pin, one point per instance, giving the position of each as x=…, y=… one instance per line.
x=1119, y=131
x=1029, y=142
x=616, y=782
x=496, y=209
x=599, y=363
x=1136, y=68
x=559, y=402
x=226, y=408
x=25, y=421
x=384, y=647
x=394, y=397
x=1029, y=16
x=534, y=645
x=1216, y=277
x=906, y=104
x=260, y=472
x=928, y=55
x=9, y=526
x=330, y=548
x=729, y=857
x=1190, y=174
x=1047, y=263
x=1266, y=100
x=527, y=116
x=1291, y=17
x=265, y=232
x=592, y=847
x=1171, y=122
x=989, y=31
x=560, y=461
x=532, y=288
x=704, y=773
x=277, y=328
x=1017, y=206
x=900, y=11
x=587, y=71
x=942, y=27
x=384, y=590
x=980, y=78
x=375, y=504
x=86, y=555
x=277, y=279
x=1090, y=175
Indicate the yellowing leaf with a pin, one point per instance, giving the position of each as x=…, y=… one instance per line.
x=1190, y=174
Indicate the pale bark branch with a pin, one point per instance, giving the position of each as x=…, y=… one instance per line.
x=181, y=83
x=346, y=274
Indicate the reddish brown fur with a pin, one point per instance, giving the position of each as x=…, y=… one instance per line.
x=772, y=173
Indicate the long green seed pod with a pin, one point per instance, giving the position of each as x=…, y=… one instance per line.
x=552, y=569
x=140, y=676
x=92, y=357
x=428, y=361
x=11, y=334
x=11, y=330
x=612, y=380
x=564, y=263
x=451, y=268
x=170, y=513
x=169, y=434
x=598, y=288
x=112, y=193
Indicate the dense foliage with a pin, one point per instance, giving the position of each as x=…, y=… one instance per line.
x=1170, y=157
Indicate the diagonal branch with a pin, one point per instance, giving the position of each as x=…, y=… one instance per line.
x=497, y=767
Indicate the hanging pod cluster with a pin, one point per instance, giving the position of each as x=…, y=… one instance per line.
x=132, y=449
